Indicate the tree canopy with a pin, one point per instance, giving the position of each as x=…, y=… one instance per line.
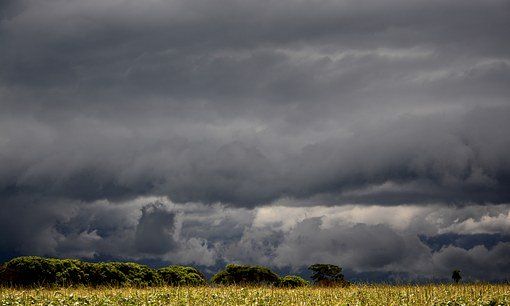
x=30, y=271
x=327, y=275
x=242, y=274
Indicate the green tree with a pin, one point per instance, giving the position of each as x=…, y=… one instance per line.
x=327, y=275
x=33, y=271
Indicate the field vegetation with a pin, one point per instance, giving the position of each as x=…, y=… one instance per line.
x=47, y=281
x=479, y=294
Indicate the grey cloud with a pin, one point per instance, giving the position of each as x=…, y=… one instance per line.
x=184, y=99
x=218, y=51
x=477, y=262
x=238, y=105
x=427, y=159
x=131, y=230
x=27, y=225
x=466, y=241
x=155, y=230
x=256, y=245
x=388, y=243
x=411, y=160
x=360, y=247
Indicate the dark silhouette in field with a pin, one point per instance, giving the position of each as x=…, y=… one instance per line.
x=327, y=275
x=456, y=276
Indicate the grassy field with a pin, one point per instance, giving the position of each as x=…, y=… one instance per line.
x=354, y=295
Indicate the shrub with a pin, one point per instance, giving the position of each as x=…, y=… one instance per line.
x=30, y=271
x=240, y=275
x=69, y=272
x=181, y=276
x=292, y=281
x=122, y=274
x=38, y=271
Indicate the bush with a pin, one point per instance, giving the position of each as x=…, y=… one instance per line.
x=69, y=272
x=181, y=276
x=292, y=281
x=241, y=275
x=122, y=274
x=31, y=271
x=38, y=271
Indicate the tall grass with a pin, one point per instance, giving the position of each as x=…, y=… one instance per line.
x=476, y=294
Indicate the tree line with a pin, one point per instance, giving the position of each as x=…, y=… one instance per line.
x=32, y=271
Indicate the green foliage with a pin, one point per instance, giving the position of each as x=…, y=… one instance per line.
x=38, y=271
x=327, y=275
x=122, y=274
x=250, y=275
x=292, y=281
x=32, y=271
x=181, y=276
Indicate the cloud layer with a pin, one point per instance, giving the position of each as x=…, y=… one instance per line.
x=245, y=104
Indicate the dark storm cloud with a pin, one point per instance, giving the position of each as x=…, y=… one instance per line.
x=244, y=104
x=412, y=160
x=27, y=225
x=135, y=230
x=155, y=229
x=464, y=241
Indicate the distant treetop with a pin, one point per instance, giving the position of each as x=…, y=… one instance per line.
x=327, y=275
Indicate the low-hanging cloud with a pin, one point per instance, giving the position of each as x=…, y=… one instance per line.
x=449, y=159
x=392, y=242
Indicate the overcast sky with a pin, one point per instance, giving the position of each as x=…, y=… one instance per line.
x=369, y=134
